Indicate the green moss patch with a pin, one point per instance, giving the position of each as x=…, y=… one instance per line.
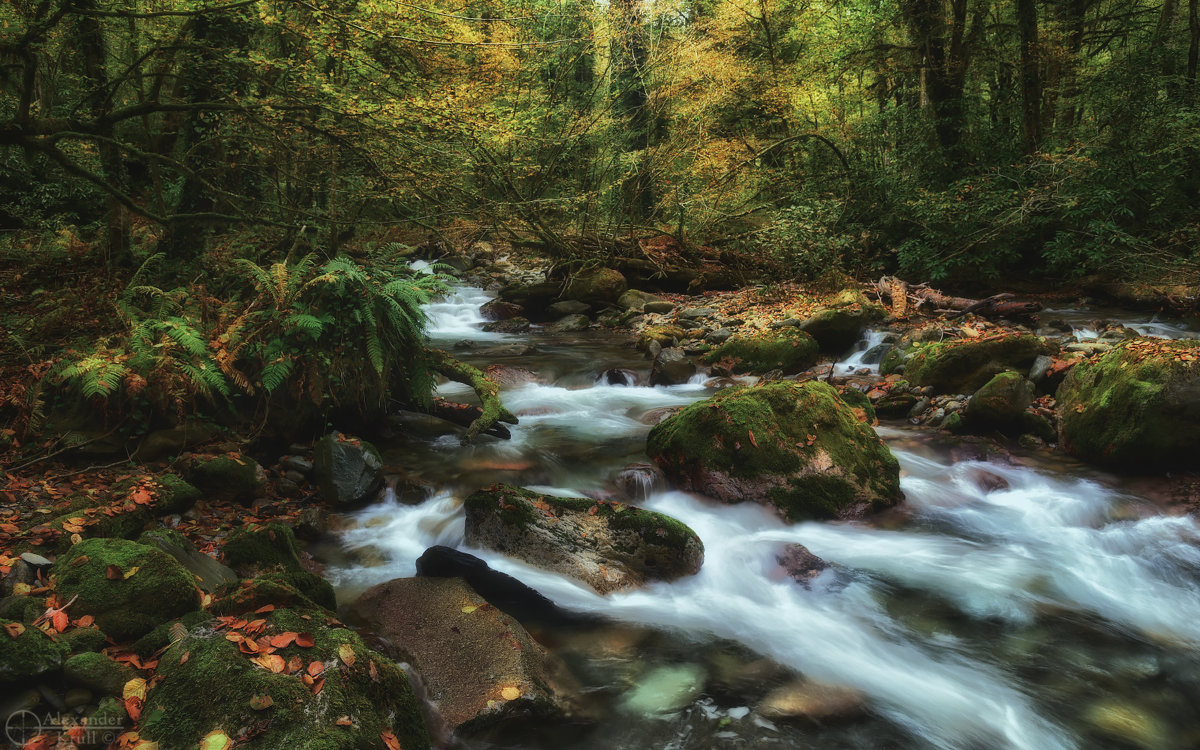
x=30, y=654
x=965, y=365
x=788, y=349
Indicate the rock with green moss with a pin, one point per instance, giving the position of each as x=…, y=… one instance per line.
x=788, y=349
x=210, y=575
x=1135, y=408
x=83, y=640
x=30, y=654
x=348, y=470
x=24, y=609
x=1000, y=404
x=98, y=673
x=174, y=495
x=174, y=440
x=129, y=588
x=664, y=336
x=605, y=544
x=268, y=589
x=602, y=286
x=840, y=324
x=966, y=365
x=481, y=668
x=272, y=548
x=794, y=446
x=107, y=722
x=206, y=684
x=234, y=476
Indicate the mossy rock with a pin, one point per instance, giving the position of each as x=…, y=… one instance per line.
x=210, y=575
x=1000, y=404
x=1135, y=408
x=840, y=324
x=966, y=365
x=788, y=349
x=602, y=285
x=272, y=549
x=83, y=640
x=98, y=673
x=348, y=470
x=797, y=447
x=664, y=336
x=217, y=688
x=859, y=402
x=175, y=495
x=31, y=654
x=165, y=634
x=234, y=477
x=108, y=720
x=147, y=587
x=24, y=609
x=605, y=544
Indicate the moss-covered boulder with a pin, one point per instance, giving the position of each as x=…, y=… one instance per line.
x=272, y=548
x=1135, y=408
x=840, y=324
x=210, y=575
x=966, y=365
x=129, y=588
x=664, y=336
x=605, y=544
x=480, y=666
x=334, y=694
x=348, y=470
x=233, y=476
x=602, y=285
x=795, y=446
x=1000, y=404
x=98, y=673
x=26, y=652
x=788, y=349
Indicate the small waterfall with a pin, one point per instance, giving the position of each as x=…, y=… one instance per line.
x=856, y=361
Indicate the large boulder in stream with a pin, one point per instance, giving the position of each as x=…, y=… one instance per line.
x=1136, y=407
x=607, y=545
x=348, y=470
x=840, y=324
x=966, y=365
x=601, y=286
x=1000, y=404
x=788, y=349
x=480, y=666
x=797, y=447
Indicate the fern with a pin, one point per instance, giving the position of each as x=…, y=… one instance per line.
x=306, y=322
x=276, y=373
x=97, y=374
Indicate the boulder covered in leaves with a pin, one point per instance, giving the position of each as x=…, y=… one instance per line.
x=348, y=470
x=129, y=588
x=281, y=678
x=605, y=544
x=797, y=447
x=1136, y=407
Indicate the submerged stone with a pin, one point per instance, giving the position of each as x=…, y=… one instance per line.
x=664, y=690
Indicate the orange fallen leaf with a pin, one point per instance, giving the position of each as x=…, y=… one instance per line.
x=315, y=668
x=317, y=685
x=305, y=640
x=14, y=629
x=344, y=721
x=60, y=620
x=271, y=662
x=112, y=573
x=389, y=740
x=85, y=621
x=283, y=640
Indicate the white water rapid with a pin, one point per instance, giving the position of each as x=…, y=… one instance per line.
x=1004, y=611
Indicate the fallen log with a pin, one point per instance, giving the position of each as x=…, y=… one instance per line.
x=465, y=415
x=492, y=411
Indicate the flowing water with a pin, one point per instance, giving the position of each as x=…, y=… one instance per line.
x=1010, y=604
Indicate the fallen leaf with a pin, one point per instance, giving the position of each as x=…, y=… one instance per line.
x=135, y=688
x=347, y=655
x=265, y=609
x=315, y=668
x=216, y=740
x=14, y=629
x=272, y=662
x=85, y=621
x=261, y=702
x=305, y=640
x=389, y=740
x=317, y=685
x=112, y=573
x=295, y=664
x=283, y=640
x=131, y=572
x=21, y=589
x=133, y=707
x=510, y=693
x=344, y=721
x=60, y=620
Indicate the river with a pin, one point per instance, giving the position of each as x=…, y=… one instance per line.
x=1013, y=602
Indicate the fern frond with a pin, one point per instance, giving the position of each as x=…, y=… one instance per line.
x=276, y=373
x=306, y=322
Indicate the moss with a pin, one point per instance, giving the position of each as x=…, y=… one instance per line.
x=492, y=410
x=772, y=440
x=965, y=365
x=788, y=349
x=272, y=548
x=148, y=586
x=1136, y=407
x=24, y=609
x=29, y=655
x=162, y=636
x=813, y=496
x=664, y=336
x=858, y=401
x=212, y=689
x=267, y=589
x=175, y=495
x=83, y=640
x=108, y=720
x=237, y=478
x=98, y=673
x=840, y=324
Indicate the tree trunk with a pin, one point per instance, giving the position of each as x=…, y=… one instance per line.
x=1031, y=85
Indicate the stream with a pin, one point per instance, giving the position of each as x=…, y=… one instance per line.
x=1012, y=602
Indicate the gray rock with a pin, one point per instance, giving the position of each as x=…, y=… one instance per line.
x=671, y=367
x=35, y=560
x=348, y=470
x=297, y=463
x=919, y=408
x=692, y=313
x=635, y=299
x=689, y=325
x=658, y=306
x=1041, y=366
x=288, y=487
x=786, y=323
x=570, y=324
x=568, y=307
x=719, y=336
x=508, y=325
